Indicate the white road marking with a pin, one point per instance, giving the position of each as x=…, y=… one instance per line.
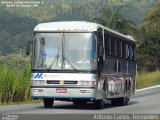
x=58, y=101
x=148, y=88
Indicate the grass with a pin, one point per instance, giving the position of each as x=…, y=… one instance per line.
x=14, y=87
x=145, y=79
x=24, y=102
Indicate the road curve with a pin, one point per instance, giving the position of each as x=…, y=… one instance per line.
x=145, y=101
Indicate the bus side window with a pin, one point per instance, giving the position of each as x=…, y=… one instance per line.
x=123, y=49
x=119, y=48
x=105, y=43
x=116, y=52
x=108, y=44
x=112, y=46
x=130, y=52
x=127, y=50
x=133, y=47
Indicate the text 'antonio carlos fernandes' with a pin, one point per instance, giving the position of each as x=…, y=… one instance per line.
x=126, y=116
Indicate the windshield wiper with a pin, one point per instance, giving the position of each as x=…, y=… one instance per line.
x=71, y=64
x=52, y=63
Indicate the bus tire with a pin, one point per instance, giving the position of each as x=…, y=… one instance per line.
x=99, y=104
x=79, y=101
x=76, y=103
x=113, y=101
x=125, y=99
x=48, y=102
x=122, y=101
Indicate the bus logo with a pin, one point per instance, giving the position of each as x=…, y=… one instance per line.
x=38, y=75
x=61, y=82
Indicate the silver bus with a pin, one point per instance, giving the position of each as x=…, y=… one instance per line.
x=82, y=62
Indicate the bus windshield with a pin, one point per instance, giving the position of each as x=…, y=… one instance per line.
x=64, y=51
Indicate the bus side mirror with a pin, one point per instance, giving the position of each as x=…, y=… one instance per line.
x=28, y=50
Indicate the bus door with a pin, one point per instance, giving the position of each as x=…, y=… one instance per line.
x=100, y=52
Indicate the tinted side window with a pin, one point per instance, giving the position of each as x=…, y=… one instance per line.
x=127, y=52
x=123, y=49
x=107, y=44
x=119, y=48
x=130, y=52
x=133, y=47
x=116, y=52
x=112, y=46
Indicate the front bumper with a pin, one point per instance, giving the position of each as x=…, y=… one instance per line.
x=49, y=92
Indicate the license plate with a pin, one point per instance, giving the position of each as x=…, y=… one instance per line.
x=61, y=90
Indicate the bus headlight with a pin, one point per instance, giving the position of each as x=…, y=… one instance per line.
x=86, y=82
x=37, y=82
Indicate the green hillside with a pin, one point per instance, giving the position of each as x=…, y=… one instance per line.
x=80, y=10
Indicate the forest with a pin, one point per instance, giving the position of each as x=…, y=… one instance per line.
x=139, y=18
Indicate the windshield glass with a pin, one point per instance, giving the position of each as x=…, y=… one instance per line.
x=79, y=51
x=47, y=51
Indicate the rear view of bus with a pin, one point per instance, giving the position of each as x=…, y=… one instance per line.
x=67, y=63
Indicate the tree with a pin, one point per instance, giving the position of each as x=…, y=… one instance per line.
x=149, y=44
x=113, y=19
x=6, y=43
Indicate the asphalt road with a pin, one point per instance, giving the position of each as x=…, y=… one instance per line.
x=144, y=102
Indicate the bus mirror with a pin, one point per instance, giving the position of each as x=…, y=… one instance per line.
x=28, y=50
x=101, y=51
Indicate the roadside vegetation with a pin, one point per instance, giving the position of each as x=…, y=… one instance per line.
x=146, y=79
x=14, y=79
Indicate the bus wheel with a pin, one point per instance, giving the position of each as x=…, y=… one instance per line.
x=79, y=103
x=99, y=104
x=122, y=101
x=114, y=101
x=48, y=102
x=76, y=103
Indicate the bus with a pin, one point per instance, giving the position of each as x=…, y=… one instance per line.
x=81, y=62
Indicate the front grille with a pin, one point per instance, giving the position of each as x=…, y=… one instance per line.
x=53, y=82
x=65, y=82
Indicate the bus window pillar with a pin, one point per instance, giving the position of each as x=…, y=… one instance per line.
x=117, y=65
x=100, y=58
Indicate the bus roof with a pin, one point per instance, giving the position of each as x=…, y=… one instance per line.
x=68, y=26
x=74, y=26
